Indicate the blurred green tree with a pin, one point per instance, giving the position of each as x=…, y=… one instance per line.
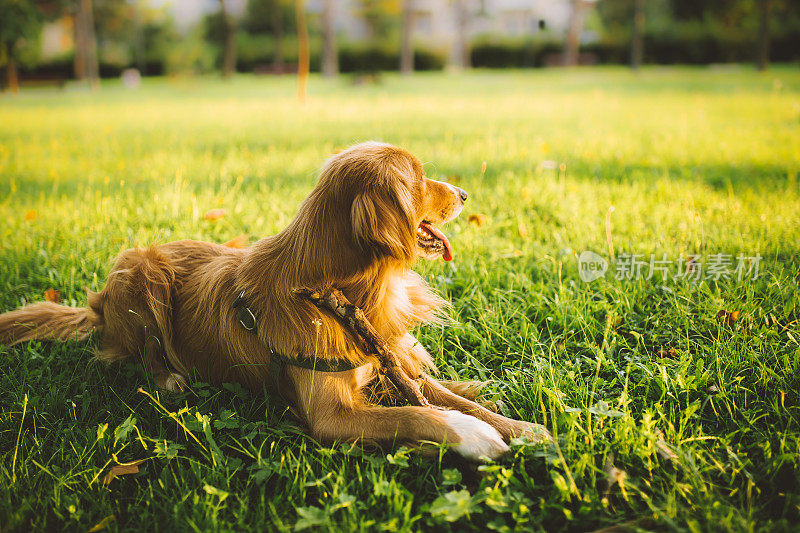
x=21, y=24
x=274, y=17
x=220, y=30
x=705, y=31
x=381, y=17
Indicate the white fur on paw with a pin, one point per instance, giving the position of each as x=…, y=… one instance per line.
x=478, y=441
x=175, y=383
x=536, y=433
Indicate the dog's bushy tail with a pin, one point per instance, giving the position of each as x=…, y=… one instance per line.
x=50, y=321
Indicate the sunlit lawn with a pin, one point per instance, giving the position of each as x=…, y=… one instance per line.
x=674, y=402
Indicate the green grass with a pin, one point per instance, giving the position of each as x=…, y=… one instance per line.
x=693, y=161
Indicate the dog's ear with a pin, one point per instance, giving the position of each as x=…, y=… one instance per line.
x=383, y=222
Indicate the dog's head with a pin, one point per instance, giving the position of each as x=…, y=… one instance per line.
x=394, y=208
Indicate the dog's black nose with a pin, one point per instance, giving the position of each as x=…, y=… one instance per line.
x=462, y=193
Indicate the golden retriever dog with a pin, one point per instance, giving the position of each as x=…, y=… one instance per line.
x=177, y=308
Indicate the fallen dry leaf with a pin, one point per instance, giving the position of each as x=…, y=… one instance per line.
x=240, y=241
x=614, y=475
x=691, y=264
x=122, y=470
x=477, y=218
x=662, y=448
x=672, y=352
x=104, y=523
x=30, y=215
x=52, y=295
x=613, y=321
x=729, y=317
x=215, y=214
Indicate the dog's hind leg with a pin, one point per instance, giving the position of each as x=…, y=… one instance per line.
x=153, y=360
x=137, y=305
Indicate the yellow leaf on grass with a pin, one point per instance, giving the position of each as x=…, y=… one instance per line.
x=477, y=218
x=52, y=295
x=215, y=214
x=122, y=470
x=30, y=215
x=239, y=241
x=104, y=523
x=728, y=316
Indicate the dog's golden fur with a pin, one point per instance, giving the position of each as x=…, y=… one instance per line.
x=171, y=306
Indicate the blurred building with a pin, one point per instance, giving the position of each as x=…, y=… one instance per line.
x=437, y=21
x=439, y=24
x=188, y=13
x=447, y=24
x=58, y=38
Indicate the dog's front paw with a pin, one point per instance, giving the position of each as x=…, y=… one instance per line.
x=475, y=440
x=536, y=433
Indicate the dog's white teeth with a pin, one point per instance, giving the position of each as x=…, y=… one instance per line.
x=425, y=234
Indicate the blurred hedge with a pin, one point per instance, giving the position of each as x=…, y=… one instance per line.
x=686, y=43
x=511, y=53
x=255, y=52
x=690, y=43
x=367, y=58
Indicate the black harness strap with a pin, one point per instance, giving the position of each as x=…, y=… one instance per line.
x=279, y=361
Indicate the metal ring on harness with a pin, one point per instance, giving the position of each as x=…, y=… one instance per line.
x=246, y=317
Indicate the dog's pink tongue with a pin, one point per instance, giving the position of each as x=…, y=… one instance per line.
x=447, y=255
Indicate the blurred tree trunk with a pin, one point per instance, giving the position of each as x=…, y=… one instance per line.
x=86, y=65
x=637, y=39
x=302, y=49
x=139, y=44
x=571, y=49
x=277, y=24
x=80, y=49
x=407, y=47
x=11, y=73
x=762, y=59
x=229, y=53
x=330, y=60
x=461, y=55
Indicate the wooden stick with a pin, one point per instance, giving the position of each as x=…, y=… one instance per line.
x=353, y=317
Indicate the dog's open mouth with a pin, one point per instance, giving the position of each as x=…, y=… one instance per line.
x=433, y=242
